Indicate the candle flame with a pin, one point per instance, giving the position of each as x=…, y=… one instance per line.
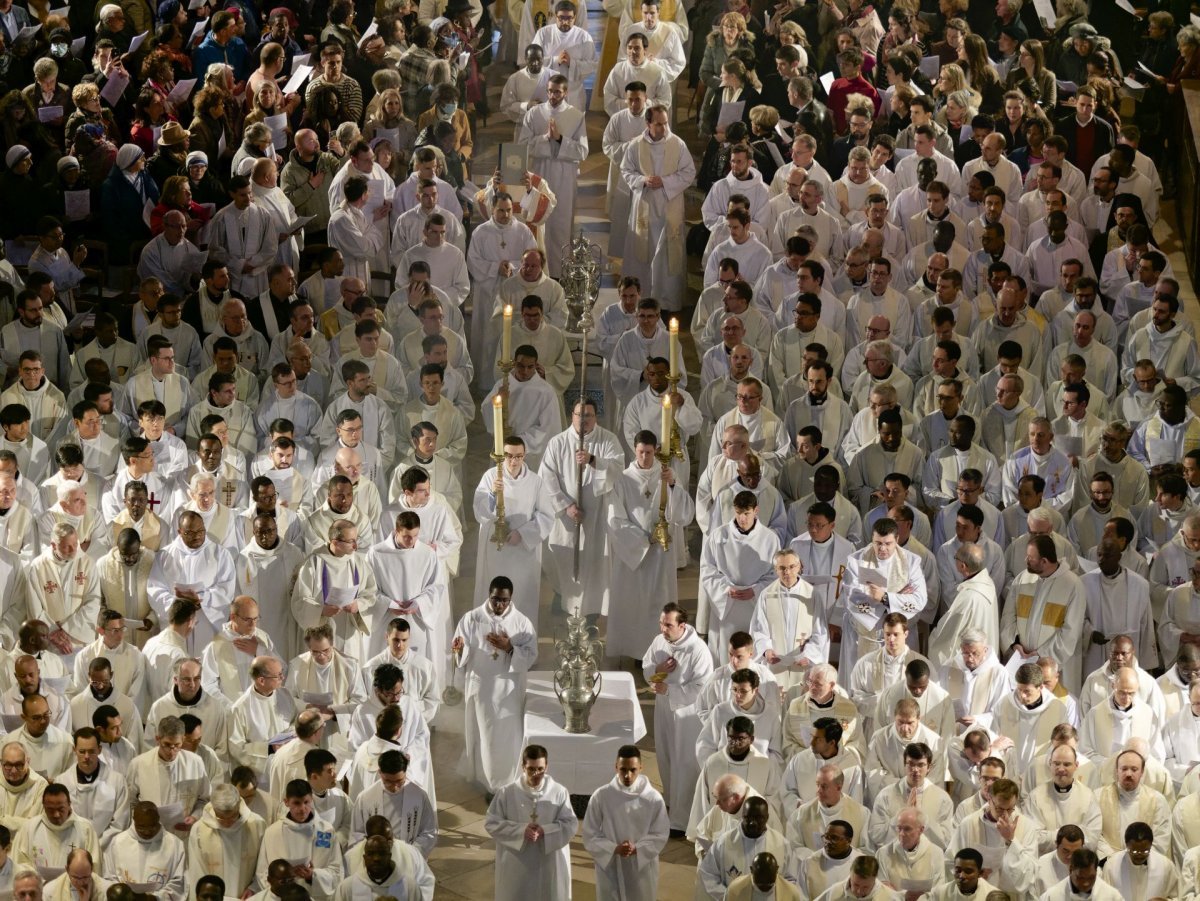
x=674, y=326
x=497, y=401
x=508, y=310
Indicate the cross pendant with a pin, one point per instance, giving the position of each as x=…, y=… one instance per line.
x=495, y=655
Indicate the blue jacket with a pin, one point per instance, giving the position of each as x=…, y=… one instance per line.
x=121, y=212
x=234, y=53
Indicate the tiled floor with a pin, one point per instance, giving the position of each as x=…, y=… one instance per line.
x=463, y=860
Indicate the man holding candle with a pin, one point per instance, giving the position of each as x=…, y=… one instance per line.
x=532, y=408
x=642, y=568
x=529, y=515
x=555, y=363
x=649, y=339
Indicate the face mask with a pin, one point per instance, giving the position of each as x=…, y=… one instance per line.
x=448, y=109
x=59, y=49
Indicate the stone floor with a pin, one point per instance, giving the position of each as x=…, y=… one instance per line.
x=463, y=860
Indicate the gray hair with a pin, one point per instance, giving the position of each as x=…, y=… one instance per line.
x=972, y=636
x=257, y=133
x=65, y=487
x=1039, y=515
x=225, y=798
x=198, y=479
x=169, y=727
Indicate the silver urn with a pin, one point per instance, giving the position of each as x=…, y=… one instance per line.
x=577, y=681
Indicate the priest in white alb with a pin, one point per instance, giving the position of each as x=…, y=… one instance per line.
x=658, y=170
x=1108, y=727
x=625, y=829
x=264, y=712
x=641, y=567
x=880, y=579
x=556, y=136
x=411, y=585
x=974, y=607
x=735, y=568
x=1044, y=614
x=529, y=517
x=64, y=592
x=266, y=569
x=532, y=822
x=585, y=456
x=1118, y=603
x=494, y=647
x=790, y=634
x=337, y=585
x=197, y=569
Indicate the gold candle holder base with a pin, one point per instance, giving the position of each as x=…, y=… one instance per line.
x=500, y=530
x=662, y=529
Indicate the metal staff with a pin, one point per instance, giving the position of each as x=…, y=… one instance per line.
x=580, y=280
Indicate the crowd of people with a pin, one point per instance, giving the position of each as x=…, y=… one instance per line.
x=946, y=641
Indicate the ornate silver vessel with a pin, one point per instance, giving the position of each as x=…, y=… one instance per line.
x=577, y=680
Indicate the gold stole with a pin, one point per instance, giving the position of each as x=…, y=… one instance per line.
x=1191, y=435
x=306, y=679
x=773, y=601
x=211, y=851
x=675, y=208
x=1142, y=723
x=172, y=394
x=20, y=524
x=1054, y=616
x=979, y=693
x=1110, y=810
x=151, y=530
x=112, y=588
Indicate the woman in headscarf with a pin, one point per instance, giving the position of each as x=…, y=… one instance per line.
x=206, y=187
x=125, y=195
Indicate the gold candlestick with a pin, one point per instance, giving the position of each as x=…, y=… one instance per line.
x=662, y=529
x=675, y=447
x=500, y=530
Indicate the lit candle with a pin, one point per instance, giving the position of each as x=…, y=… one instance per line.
x=498, y=423
x=665, y=435
x=506, y=335
x=674, y=348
